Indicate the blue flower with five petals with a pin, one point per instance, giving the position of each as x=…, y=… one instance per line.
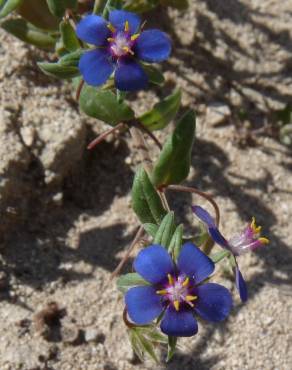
x=176, y=291
x=120, y=44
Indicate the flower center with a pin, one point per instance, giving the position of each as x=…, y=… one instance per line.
x=121, y=42
x=177, y=291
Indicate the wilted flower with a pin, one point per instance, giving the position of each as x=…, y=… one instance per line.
x=120, y=44
x=176, y=291
x=247, y=240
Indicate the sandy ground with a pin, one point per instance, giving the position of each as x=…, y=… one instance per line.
x=237, y=54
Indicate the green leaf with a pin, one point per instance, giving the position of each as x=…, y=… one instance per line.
x=67, y=67
x=178, y=4
x=153, y=334
x=7, y=6
x=145, y=344
x=165, y=230
x=37, y=13
x=151, y=229
x=28, y=33
x=104, y=105
x=146, y=202
x=127, y=281
x=136, y=345
x=140, y=6
x=286, y=134
x=176, y=242
x=216, y=257
x=68, y=36
x=58, y=7
x=154, y=74
x=173, y=164
x=171, y=347
x=162, y=113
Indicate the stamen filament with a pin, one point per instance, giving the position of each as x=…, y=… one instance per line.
x=135, y=36
x=176, y=305
x=256, y=229
x=190, y=298
x=170, y=279
x=186, y=282
x=264, y=240
x=111, y=27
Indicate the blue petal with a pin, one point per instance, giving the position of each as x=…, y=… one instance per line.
x=153, y=264
x=143, y=304
x=204, y=216
x=194, y=263
x=218, y=237
x=179, y=323
x=153, y=46
x=118, y=18
x=214, y=302
x=241, y=285
x=93, y=30
x=96, y=67
x=208, y=220
x=130, y=76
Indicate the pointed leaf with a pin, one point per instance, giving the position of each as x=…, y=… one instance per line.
x=173, y=164
x=146, y=345
x=146, y=202
x=104, y=105
x=151, y=229
x=58, y=70
x=28, y=33
x=58, y=7
x=216, y=257
x=176, y=242
x=127, y=281
x=140, y=6
x=171, y=347
x=154, y=74
x=7, y=6
x=165, y=230
x=162, y=113
x=68, y=36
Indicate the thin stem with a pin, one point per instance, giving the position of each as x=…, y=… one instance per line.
x=104, y=135
x=79, y=89
x=209, y=244
x=99, y=5
x=138, y=236
x=202, y=194
x=141, y=146
x=148, y=132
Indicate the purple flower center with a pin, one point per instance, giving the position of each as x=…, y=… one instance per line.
x=121, y=42
x=178, y=291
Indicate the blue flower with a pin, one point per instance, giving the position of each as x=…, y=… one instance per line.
x=247, y=240
x=120, y=44
x=176, y=290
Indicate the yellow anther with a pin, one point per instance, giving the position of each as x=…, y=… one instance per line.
x=264, y=240
x=110, y=39
x=161, y=292
x=127, y=26
x=176, y=305
x=135, y=36
x=256, y=229
x=170, y=279
x=190, y=298
x=128, y=50
x=111, y=28
x=186, y=282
